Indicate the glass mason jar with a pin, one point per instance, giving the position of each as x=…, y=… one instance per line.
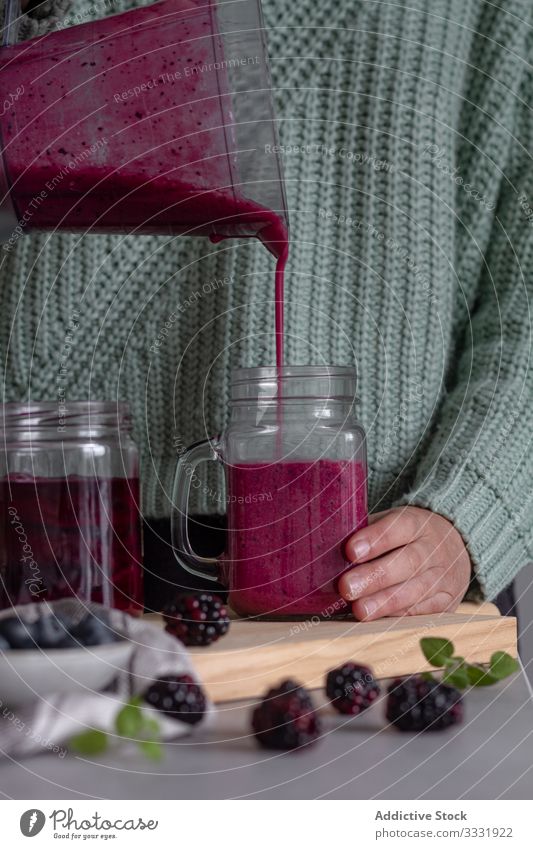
x=294, y=458
x=69, y=505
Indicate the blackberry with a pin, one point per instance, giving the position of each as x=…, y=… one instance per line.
x=351, y=688
x=286, y=718
x=197, y=620
x=416, y=704
x=178, y=696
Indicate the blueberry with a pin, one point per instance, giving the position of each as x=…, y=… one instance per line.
x=48, y=632
x=102, y=616
x=65, y=619
x=52, y=632
x=94, y=631
x=68, y=642
x=17, y=634
x=4, y=645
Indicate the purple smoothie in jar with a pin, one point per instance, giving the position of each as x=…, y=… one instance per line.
x=288, y=523
x=76, y=533
x=70, y=537
x=294, y=458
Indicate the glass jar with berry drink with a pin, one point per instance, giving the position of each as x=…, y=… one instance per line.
x=294, y=459
x=69, y=504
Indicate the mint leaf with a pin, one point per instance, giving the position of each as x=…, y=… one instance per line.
x=436, y=650
x=427, y=676
x=89, y=742
x=130, y=724
x=502, y=665
x=439, y=652
x=480, y=677
x=150, y=726
x=129, y=721
x=151, y=748
x=456, y=675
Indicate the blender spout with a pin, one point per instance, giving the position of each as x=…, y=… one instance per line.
x=12, y=15
x=8, y=217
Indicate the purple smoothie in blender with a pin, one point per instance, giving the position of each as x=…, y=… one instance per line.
x=135, y=122
x=156, y=120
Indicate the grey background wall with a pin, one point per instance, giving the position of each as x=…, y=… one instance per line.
x=524, y=595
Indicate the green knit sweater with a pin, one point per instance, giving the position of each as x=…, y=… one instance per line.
x=407, y=132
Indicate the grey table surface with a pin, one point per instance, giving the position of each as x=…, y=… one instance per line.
x=490, y=756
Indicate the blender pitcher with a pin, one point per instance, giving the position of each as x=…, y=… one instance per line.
x=155, y=120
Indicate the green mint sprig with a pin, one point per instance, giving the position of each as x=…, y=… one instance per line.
x=457, y=672
x=130, y=724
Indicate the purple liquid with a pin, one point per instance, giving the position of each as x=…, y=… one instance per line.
x=287, y=526
x=280, y=301
x=70, y=537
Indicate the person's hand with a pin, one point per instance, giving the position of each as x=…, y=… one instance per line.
x=407, y=561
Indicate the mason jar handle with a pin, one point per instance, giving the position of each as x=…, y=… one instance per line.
x=202, y=567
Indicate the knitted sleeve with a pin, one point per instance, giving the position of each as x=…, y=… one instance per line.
x=478, y=471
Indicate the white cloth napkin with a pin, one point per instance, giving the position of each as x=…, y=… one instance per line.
x=48, y=723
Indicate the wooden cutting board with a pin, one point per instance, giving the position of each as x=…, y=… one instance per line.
x=256, y=655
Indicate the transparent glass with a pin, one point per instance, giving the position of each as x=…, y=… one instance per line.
x=70, y=521
x=294, y=457
x=156, y=120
